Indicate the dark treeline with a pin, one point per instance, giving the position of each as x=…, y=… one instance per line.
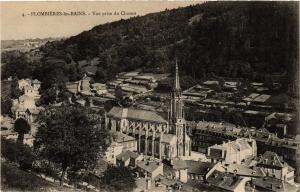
x=232, y=39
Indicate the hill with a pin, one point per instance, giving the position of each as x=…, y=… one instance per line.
x=252, y=40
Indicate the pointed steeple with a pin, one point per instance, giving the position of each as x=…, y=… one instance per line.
x=176, y=82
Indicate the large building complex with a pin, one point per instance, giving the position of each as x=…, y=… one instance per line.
x=164, y=139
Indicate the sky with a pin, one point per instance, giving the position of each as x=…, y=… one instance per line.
x=22, y=20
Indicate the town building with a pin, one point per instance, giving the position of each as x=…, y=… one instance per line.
x=24, y=107
x=206, y=134
x=197, y=170
x=128, y=158
x=233, y=151
x=128, y=142
x=149, y=168
x=227, y=181
x=274, y=166
x=297, y=159
x=99, y=88
x=271, y=184
x=112, y=152
x=121, y=142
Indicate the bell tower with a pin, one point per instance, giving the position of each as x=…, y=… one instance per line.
x=177, y=121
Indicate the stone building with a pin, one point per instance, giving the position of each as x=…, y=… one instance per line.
x=233, y=151
x=155, y=135
x=274, y=166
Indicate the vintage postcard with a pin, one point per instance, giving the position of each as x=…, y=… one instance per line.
x=150, y=96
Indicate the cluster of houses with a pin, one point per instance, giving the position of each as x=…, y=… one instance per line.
x=133, y=83
x=230, y=166
x=25, y=107
x=256, y=109
x=144, y=141
x=206, y=134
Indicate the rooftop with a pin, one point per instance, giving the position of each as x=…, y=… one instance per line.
x=225, y=181
x=137, y=114
x=125, y=155
x=272, y=159
x=148, y=166
x=273, y=184
x=198, y=167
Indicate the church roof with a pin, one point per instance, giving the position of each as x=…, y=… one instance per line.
x=137, y=114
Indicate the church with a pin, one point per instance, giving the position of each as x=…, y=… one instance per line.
x=156, y=136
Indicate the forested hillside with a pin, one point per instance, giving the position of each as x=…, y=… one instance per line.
x=250, y=40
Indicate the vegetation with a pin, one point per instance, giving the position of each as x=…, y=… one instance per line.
x=18, y=153
x=22, y=127
x=250, y=40
x=6, y=105
x=15, y=179
x=72, y=137
x=119, y=179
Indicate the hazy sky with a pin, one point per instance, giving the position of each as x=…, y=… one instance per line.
x=16, y=26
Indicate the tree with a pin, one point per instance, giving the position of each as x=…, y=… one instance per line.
x=72, y=137
x=17, y=152
x=6, y=105
x=22, y=127
x=15, y=91
x=119, y=93
x=100, y=75
x=119, y=179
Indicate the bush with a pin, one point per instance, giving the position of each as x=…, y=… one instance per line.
x=13, y=178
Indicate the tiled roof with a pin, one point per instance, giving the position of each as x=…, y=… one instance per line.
x=136, y=114
x=273, y=184
x=148, y=166
x=121, y=137
x=262, y=98
x=272, y=159
x=198, y=167
x=225, y=181
x=179, y=164
x=125, y=155
x=243, y=170
x=237, y=145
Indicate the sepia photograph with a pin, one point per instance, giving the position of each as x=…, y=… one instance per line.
x=150, y=96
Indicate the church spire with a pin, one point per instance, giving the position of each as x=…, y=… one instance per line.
x=176, y=82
